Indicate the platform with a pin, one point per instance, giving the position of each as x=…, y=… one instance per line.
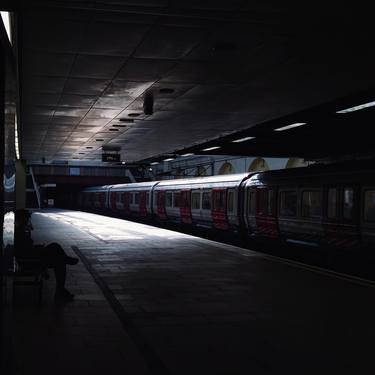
x=154, y=301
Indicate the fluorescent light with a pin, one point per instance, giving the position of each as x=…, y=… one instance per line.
x=16, y=141
x=242, y=139
x=154, y=163
x=211, y=148
x=291, y=126
x=188, y=154
x=6, y=21
x=357, y=107
x=169, y=159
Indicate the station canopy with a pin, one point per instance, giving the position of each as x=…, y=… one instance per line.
x=160, y=78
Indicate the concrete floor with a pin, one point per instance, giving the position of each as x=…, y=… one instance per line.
x=153, y=301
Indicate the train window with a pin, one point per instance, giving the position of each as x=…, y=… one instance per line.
x=270, y=203
x=118, y=197
x=168, y=199
x=262, y=201
x=136, y=198
x=176, y=199
x=195, y=200
x=131, y=198
x=206, y=200
x=251, y=203
x=311, y=204
x=230, y=201
x=370, y=205
x=266, y=202
x=348, y=203
x=332, y=203
x=147, y=199
x=288, y=203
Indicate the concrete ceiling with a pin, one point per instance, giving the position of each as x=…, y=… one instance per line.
x=214, y=68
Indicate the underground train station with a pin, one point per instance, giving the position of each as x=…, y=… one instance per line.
x=188, y=188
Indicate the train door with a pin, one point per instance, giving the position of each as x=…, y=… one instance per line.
x=112, y=201
x=341, y=219
x=368, y=217
x=127, y=203
x=142, y=204
x=205, y=212
x=219, y=209
x=251, y=211
x=185, y=210
x=96, y=200
x=101, y=200
x=232, y=207
x=265, y=213
x=160, y=199
x=119, y=201
x=195, y=204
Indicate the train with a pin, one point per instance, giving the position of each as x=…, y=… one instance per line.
x=326, y=206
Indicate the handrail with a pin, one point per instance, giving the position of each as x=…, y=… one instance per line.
x=35, y=186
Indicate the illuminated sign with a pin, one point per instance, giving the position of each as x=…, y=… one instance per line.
x=110, y=157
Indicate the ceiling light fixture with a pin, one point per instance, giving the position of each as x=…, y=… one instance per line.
x=134, y=114
x=119, y=126
x=154, y=163
x=126, y=120
x=89, y=147
x=242, y=139
x=169, y=159
x=357, y=107
x=188, y=154
x=113, y=130
x=291, y=126
x=99, y=140
x=211, y=148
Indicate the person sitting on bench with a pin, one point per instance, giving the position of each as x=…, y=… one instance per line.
x=51, y=255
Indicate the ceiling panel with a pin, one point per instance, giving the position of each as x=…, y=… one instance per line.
x=92, y=66
x=212, y=68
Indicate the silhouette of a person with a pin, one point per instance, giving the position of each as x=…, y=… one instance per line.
x=51, y=255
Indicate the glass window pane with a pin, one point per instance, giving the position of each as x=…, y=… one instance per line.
x=288, y=203
x=332, y=203
x=251, y=203
x=311, y=204
x=196, y=200
x=370, y=205
x=136, y=198
x=348, y=203
x=230, y=201
x=168, y=199
x=262, y=201
x=206, y=200
x=176, y=199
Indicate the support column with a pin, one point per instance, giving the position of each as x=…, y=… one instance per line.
x=20, y=184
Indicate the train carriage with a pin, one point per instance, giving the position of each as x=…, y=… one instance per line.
x=207, y=201
x=327, y=206
x=94, y=198
x=132, y=200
